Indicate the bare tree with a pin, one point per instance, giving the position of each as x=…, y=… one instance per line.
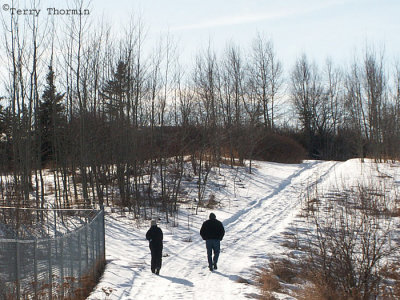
x=335, y=107
x=251, y=135
x=233, y=92
x=306, y=94
x=266, y=71
x=207, y=84
x=365, y=93
x=374, y=86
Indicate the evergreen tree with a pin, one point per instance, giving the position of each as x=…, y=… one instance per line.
x=51, y=118
x=5, y=137
x=115, y=92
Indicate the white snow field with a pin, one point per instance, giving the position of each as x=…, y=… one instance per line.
x=255, y=210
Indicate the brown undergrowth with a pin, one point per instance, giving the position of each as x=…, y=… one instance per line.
x=349, y=251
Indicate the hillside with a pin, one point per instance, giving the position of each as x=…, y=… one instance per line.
x=256, y=209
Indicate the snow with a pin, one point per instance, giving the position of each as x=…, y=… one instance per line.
x=256, y=209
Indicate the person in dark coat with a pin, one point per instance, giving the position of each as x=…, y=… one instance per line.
x=212, y=231
x=155, y=237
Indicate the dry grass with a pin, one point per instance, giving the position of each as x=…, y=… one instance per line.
x=88, y=282
x=291, y=241
x=327, y=264
x=285, y=270
x=268, y=281
x=268, y=296
x=279, y=271
x=313, y=291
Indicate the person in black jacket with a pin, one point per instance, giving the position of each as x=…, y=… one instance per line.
x=212, y=231
x=155, y=237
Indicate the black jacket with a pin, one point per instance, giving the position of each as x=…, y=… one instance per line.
x=155, y=236
x=212, y=229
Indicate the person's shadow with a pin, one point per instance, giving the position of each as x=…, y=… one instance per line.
x=178, y=280
x=235, y=278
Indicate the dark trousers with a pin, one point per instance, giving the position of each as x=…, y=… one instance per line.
x=212, y=245
x=156, y=258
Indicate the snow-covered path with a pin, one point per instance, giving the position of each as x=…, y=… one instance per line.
x=255, y=210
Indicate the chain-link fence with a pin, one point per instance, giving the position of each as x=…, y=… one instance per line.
x=65, y=264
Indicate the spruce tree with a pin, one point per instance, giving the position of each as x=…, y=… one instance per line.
x=115, y=92
x=51, y=118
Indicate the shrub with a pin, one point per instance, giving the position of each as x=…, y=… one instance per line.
x=278, y=148
x=278, y=270
x=268, y=283
x=285, y=270
x=349, y=252
x=350, y=245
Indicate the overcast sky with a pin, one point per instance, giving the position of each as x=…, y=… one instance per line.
x=338, y=29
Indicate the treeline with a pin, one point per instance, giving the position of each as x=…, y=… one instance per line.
x=115, y=122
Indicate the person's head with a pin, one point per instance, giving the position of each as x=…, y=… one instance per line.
x=212, y=216
x=153, y=222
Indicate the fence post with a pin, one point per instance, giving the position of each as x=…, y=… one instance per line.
x=50, y=272
x=17, y=273
x=71, y=257
x=55, y=223
x=35, y=272
x=62, y=266
x=80, y=258
x=103, y=235
x=87, y=249
x=93, y=249
x=99, y=249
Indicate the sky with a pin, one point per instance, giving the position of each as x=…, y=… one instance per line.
x=336, y=29
x=339, y=29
